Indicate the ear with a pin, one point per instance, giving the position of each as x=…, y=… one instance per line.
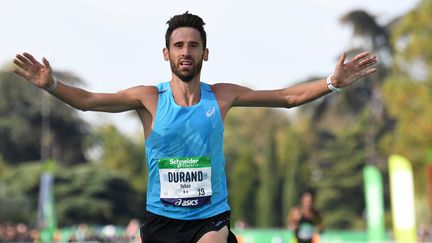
x=165, y=54
x=206, y=54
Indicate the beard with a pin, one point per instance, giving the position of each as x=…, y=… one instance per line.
x=186, y=75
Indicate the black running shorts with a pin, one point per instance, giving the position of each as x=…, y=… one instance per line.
x=159, y=229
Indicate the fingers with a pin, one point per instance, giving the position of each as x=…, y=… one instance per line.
x=367, y=72
x=20, y=73
x=23, y=60
x=30, y=57
x=367, y=61
x=26, y=60
x=342, y=58
x=23, y=65
x=46, y=63
x=20, y=64
x=370, y=71
x=360, y=56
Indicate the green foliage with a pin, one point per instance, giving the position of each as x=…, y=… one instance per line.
x=14, y=207
x=20, y=126
x=242, y=188
x=340, y=183
x=295, y=176
x=410, y=102
x=412, y=38
x=260, y=152
x=268, y=187
x=3, y=166
x=84, y=193
x=20, y=186
x=408, y=91
x=120, y=153
x=408, y=95
x=92, y=194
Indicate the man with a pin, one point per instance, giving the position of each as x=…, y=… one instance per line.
x=183, y=127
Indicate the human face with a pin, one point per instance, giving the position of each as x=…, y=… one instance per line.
x=307, y=200
x=186, y=53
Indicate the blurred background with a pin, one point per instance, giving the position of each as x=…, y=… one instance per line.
x=81, y=175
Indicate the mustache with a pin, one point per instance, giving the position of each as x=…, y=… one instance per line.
x=191, y=59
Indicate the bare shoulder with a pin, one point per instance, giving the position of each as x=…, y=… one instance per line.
x=145, y=95
x=230, y=87
x=141, y=90
x=229, y=92
x=227, y=95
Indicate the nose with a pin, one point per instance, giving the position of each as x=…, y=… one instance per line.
x=186, y=51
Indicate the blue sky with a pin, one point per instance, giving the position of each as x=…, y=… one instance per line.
x=114, y=45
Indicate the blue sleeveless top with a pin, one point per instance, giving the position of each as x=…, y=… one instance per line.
x=185, y=158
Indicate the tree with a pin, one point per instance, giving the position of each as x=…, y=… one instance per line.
x=268, y=187
x=92, y=194
x=14, y=206
x=82, y=193
x=294, y=169
x=407, y=94
x=340, y=191
x=119, y=153
x=263, y=154
x=20, y=126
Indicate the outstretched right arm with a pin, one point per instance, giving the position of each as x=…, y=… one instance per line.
x=41, y=76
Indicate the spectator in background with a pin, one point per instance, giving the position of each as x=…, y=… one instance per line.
x=10, y=232
x=133, y=231
x=241, y=223
x=293, y=218
x=309, y=220
x=424, y=233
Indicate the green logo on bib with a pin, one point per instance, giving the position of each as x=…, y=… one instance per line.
x=186, y=162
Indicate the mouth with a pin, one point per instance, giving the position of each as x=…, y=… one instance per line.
x=185, y=64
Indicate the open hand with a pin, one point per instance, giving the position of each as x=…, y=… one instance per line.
x=35, y=72
x=359, y=66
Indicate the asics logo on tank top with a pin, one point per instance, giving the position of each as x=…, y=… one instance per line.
x=210, y=112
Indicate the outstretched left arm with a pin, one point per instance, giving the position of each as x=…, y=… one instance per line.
x=344, y=75
x=230, y=95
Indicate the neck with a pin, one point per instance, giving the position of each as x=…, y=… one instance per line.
x=186, y=94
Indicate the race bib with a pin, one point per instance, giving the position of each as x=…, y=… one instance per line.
x=306, y=231
x=185, y=182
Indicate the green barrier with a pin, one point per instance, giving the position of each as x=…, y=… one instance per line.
x=286, y=236
x=264, y=236
x=339, y=236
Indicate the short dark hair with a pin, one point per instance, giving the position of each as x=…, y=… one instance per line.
x=186, y=20
x=310, y=191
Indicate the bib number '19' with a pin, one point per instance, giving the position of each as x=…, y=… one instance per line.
x=186, y=181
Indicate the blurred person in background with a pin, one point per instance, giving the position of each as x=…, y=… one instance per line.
x=293, y=218
x=307, y=223
x=133, y=231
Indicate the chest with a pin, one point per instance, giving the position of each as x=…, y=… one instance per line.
x=201, y=120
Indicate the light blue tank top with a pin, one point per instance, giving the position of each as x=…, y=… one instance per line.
x=185, y=158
